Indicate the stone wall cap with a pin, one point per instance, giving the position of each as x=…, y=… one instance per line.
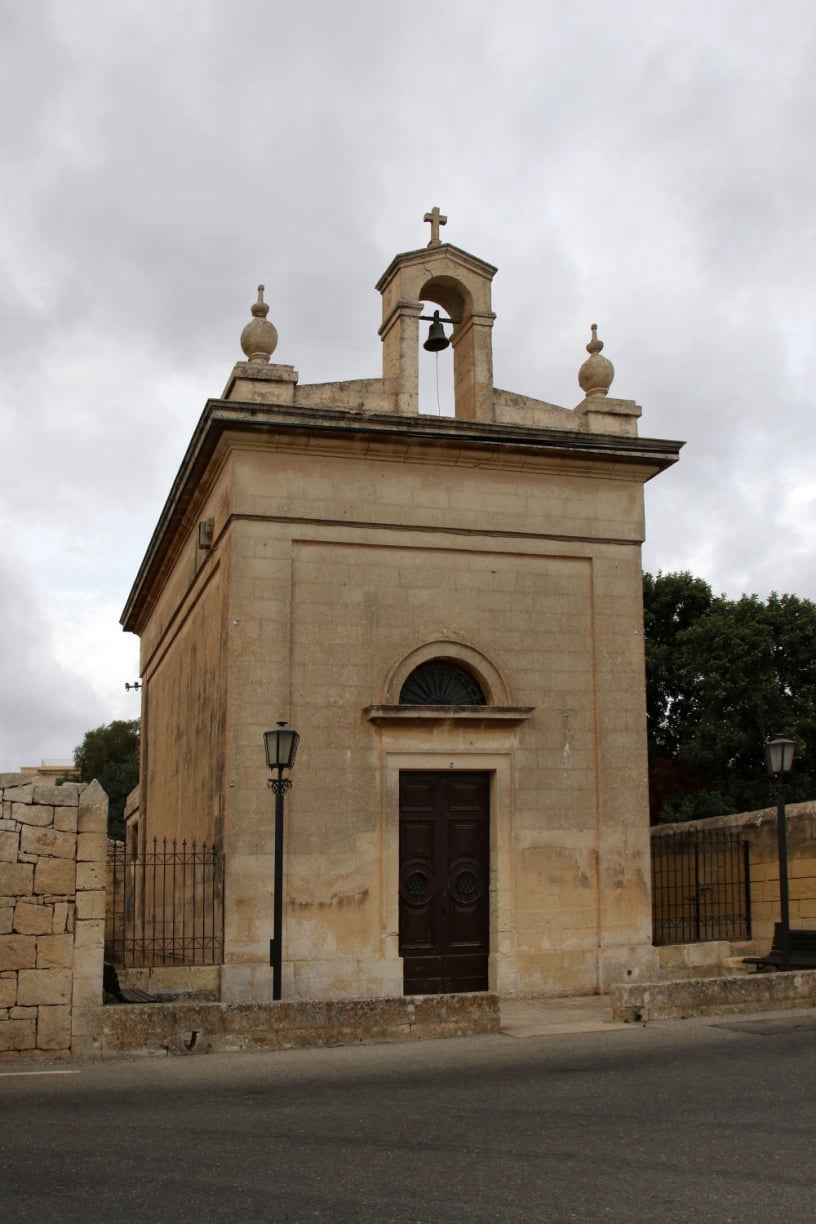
x=15, y=779
x=65, y=795
x=615, y=407
x=737, y=820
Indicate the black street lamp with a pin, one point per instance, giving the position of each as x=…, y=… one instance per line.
x=281, y=746
x=779, y=758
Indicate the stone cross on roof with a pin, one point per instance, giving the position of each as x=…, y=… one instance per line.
x=436, y=219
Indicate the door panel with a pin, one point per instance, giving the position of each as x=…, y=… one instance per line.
x=444, y=882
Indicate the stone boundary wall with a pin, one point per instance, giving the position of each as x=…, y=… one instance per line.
x=206, y=1028
x=759, y=831
x=52, y=915
x=722, y=996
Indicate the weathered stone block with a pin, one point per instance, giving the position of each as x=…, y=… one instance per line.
x=91, y=847
x=206, y=978
x=50, y=842
x=87, y=991
x=31, y=919
x=63, y=915
x=17, y=1035
x=55, y=952
x=22, y=1013
x=49, y=986
x=131, y=978
x=170, y=977
x=85, y=1044
x=16, y=879
x=6, y=919
x=66, y=819
x=90, y=905
x=18, y=952
x=87, y=962
x=54, y=1028
x=19, y=794
x=14, y=779
x=8, y=989
x=55, y=877
x=9, y=845
x=93, y=810
x=58, y=796
x=90, y=876
x=90, y=933
x=33, y=814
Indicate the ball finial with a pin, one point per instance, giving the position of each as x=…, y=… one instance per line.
x=259, y=338
x=596, y=374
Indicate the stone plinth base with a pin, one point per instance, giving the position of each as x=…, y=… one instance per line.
x=205, y=1028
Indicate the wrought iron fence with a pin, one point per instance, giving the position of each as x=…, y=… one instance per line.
x=164, y=904
x=701, y=887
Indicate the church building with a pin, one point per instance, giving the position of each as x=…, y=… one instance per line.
x=448, y=611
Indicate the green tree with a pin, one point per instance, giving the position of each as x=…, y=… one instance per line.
x=722, y=676
x=110, y=754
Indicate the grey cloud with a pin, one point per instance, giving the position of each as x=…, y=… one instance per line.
x=643, y=167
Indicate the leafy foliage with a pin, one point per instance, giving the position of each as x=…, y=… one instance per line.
x=722, y=676
x=110, y=754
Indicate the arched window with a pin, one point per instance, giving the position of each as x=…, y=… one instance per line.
x=441, y=682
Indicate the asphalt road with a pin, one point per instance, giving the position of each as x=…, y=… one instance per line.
x=679, y=1121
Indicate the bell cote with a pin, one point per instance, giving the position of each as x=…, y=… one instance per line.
x=459, y=284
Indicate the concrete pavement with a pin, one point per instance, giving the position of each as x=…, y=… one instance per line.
x=548, y=1017
x=593, y=1014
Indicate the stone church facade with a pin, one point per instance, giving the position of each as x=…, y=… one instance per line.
x=448, y=610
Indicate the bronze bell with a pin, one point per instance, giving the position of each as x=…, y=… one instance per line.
x=437, y=340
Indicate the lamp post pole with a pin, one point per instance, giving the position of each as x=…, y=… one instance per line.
x=782, y=850
x=279, y=786
x=779, y=758
x=281, y=746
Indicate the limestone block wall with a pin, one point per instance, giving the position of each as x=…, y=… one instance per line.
x=758, y=829
x=52, y=915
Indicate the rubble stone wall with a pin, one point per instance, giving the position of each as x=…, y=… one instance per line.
x=52, y=915
x=637, y=1002
x=207, y=1028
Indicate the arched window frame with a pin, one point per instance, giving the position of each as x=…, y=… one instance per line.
x=442, y=682
x=497, y=710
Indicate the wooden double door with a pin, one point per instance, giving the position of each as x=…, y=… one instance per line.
x=444, y=883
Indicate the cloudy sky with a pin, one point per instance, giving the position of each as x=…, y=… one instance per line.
x=646, y=166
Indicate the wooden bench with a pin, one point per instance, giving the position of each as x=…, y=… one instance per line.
x=802, y=951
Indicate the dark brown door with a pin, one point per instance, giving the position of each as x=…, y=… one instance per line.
x=444, y=882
